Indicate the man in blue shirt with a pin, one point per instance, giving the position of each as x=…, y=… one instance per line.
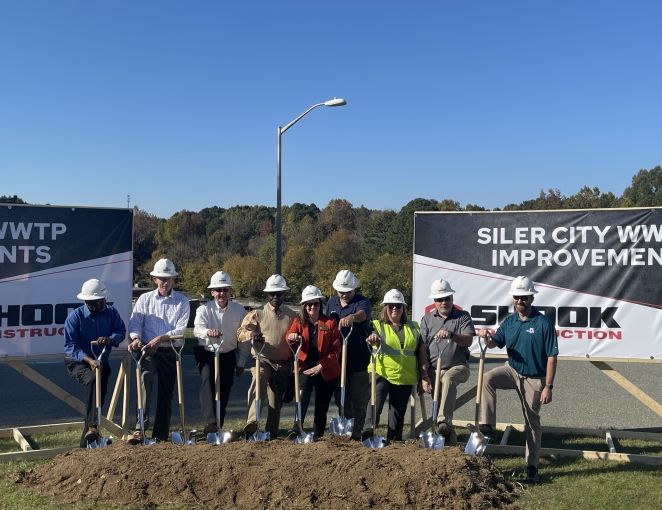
x=94, y=321
x=350, y=308
x=530, y=340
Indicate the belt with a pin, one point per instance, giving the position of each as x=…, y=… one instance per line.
x=164, y=349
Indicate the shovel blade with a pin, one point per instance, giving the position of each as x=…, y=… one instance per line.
x=259, y=436
x=177, y=438
x=105, y=441
x=148, y=442
x=93, y=445
x=431, y=441
x=192, y=437
x=222, y=437
x=375, y=442
x=341, y=426
x=304, y=438
x=476, y=444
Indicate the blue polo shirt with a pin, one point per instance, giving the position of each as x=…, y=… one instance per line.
x=358, y=353
x=529, y=342
x=81, y=328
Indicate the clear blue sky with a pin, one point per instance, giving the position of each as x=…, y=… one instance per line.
x=177, y=103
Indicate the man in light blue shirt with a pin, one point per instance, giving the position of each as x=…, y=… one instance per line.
x=94, y=321
x=156, y=317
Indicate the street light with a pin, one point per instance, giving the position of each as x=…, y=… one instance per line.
x=281, y=130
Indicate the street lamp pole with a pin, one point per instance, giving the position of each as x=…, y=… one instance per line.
x=281, y=130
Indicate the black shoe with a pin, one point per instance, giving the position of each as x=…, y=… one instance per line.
x=488, y=431
x=366, y=434
x=532, y=475
x=292, y=433
x=445, y=430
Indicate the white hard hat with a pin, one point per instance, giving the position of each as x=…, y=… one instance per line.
x=219, y=280
x=522, y=286
x=394, y=296
x=164, y=268
x=345, y=281
x=276, y=283
x=92, y=290
x=310, y=293
x=440, y=288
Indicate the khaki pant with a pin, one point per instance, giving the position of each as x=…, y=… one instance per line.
x=450, y=378
x=528, y=390
x=274, y=378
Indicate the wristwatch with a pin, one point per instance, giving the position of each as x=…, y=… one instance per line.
x=550, y=386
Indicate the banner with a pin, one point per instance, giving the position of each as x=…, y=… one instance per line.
x=46, y=254
x=597, y=273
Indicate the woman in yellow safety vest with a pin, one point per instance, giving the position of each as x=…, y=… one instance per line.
x=398, y=365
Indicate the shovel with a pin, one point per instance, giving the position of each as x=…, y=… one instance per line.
x=477, y=441
x=303, y=437
x=220, y=436
x=374, y=441
x=178, y=437
x=342, y=426
x=102, y=441
x=430, y=439
x=141, y=415
x=257, y=435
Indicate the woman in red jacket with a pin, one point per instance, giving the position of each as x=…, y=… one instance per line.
x=318, y=357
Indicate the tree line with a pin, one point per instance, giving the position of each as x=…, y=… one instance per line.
x=376, y=245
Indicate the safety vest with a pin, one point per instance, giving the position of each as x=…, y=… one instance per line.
x=395, y=363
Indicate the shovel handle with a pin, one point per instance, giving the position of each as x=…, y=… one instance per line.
x=296, y=380
x=481, y=367
x=217, y=377
x=343, y=372
x=139, y=385
x=98, y=388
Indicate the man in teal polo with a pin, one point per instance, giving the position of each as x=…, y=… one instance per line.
x=530, y=340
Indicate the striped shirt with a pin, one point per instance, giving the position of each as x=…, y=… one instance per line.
x=155, y=315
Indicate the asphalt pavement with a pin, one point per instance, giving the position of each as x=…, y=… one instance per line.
x=582, y=397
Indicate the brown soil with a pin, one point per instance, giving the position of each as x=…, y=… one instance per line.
x=332, y=473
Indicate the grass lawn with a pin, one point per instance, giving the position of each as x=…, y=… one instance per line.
x=567, y=483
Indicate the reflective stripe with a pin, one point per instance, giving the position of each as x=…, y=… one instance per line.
x=389, y=350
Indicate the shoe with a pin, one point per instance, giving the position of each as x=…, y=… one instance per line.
x=91, y=435
x=209, y=429
x=445, y=430
x=250, y=429
x=292, y=433
x=366, y=434
x=488, y=431
x=532, y=475
x=135, y=438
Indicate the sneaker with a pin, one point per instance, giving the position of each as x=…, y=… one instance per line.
x=532, y=475
x=135, y=438
x=292, y=433
x=488, y=431
x=250, y=428
x=366, y=434
x=445, y=430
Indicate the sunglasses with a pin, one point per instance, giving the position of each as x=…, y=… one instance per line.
x=521, y=298
x=275, y=294
x=225, y=290
x=397, y=307
x=442, y=299
x=313, y=305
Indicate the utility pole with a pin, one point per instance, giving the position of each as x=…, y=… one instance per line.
x=128, y=201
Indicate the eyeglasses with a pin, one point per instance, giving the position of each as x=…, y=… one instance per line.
x=442, y=299
x=224, y=290
x=312, y=305
x=275, y=294
x=397, y=307
x=521, y=298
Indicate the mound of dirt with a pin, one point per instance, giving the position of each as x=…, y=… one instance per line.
x=332, y=473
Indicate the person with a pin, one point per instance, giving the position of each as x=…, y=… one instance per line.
x=215, y=322
x=271, y=321
x=530, y=340
x=353, y=310
x=94, y=321
x=156, y=317
x=318, y=358
x=450, y=331
x=397, y=365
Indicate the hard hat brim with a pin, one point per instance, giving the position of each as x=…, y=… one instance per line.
x=160, y=274
x=437, y=295
x=220, y=286
x=523, y=292
x=85, y=297
x=276, y=289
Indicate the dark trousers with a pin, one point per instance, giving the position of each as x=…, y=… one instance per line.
x=82, y=372
x=357, y=396
x=205, y=362
x=398, y=398
x=162, y=364
x=323, y=393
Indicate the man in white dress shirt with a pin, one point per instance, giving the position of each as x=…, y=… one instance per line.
x=217, y=322
x=156, y=317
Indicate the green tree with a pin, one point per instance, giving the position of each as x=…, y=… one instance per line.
x=374, y=233
x=145, y=226
x=400, y=236
x=341, y=250
x=449, y=205
x=298, y=269
x=339, y=214
x=646, y=189
x=11, y=199
x=249, y=276
x=385, y=273
x=592, y=198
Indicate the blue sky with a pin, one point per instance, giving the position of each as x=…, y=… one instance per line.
x=177, y=103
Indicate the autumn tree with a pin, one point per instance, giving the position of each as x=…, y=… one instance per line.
x=341, y=250
x=385, y=273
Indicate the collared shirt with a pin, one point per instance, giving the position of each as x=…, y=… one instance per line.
x=529, y=342
x=81, y=328
x=358, y=353
x=458, y=322
x=155, y=315
x=227, y=320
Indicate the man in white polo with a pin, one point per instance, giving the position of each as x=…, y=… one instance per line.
x=156, y=317
x=216, y=323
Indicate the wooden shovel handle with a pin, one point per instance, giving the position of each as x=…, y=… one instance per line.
x=296, y=380
x=140, y=392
